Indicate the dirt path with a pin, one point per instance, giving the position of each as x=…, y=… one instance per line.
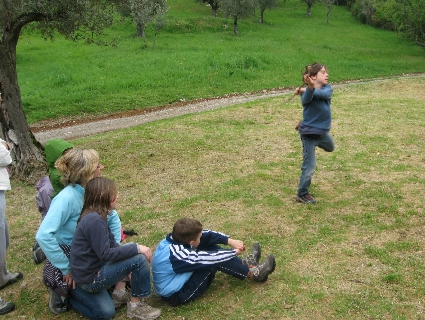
x=81, y=127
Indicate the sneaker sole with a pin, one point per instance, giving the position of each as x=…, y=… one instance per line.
x=131, y=316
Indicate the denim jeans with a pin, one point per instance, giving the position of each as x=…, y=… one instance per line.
x=310, y=142
x=113, y=272
x=95, y=306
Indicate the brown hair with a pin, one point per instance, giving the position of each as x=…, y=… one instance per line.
x=98, y=195
x=312, y=69
x=77, y=166
x=186, y=230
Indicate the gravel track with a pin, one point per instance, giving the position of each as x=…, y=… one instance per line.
x=87, y=126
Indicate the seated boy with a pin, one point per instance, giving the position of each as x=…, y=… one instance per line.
x=185, y=262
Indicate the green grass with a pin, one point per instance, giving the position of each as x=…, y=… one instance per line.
x=198, y=56
x=357, y=254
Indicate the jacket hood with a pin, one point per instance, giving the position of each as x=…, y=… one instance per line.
x=54, y=148
x=170, y=239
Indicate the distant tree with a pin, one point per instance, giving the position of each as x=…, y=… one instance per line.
x=309, y=4
x=238, y=9
x=74, y=19
x=266, y=4
x=144, y=12
x=214, y=4
x=329, y=4
x=411, y=20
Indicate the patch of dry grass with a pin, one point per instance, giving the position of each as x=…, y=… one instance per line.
x=358, y=253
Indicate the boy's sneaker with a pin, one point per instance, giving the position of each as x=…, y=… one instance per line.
x=261, y=272
x=142, y=311
x=38, y=256
x=254, y=257
x=57, y=303
x=305, y=198
x=6, y=307
x=120, y=298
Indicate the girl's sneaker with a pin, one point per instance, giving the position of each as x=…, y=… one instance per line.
x=305, y=198
x=120, y=298
x=142, y=311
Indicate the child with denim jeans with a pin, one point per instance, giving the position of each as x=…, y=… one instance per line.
x=99, y=262
x=186, y=261
x=315, y=126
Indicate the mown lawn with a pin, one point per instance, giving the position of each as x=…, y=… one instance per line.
x=357, y=254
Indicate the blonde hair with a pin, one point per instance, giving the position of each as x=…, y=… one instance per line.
x=77, y=166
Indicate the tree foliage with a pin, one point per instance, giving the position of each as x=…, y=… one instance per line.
x=266, y=4
x=404, y=16
x=214, y=4
x=75, y=20
x=411, y=20
x=143, y=12
x=238, y=9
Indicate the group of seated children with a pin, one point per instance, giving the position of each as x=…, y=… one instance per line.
x=86, y=260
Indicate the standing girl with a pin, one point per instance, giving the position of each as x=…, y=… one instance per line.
x=98, y=262
x=315, y=126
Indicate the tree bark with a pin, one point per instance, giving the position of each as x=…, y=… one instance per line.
x=308, y=10
x=261, y=16
x=140, y=30
x=29, y=164
x=235, y=25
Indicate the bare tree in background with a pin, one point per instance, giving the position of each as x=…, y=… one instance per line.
x=266, y=4
x=238, y=9
x=214, y=4
x=329, y=4
x=309, y=4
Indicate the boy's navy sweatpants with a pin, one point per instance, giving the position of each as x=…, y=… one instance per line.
x=201, y=280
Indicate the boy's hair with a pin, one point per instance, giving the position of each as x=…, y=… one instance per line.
x=186, y=230
x=77, y=166
x=313, y=69
x=98, y=195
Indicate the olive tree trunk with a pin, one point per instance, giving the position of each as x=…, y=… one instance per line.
x=29, y=164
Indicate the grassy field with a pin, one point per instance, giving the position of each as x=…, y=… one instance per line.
x=198, y=56
x=357, y=254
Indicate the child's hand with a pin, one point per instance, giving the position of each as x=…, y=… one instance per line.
x=239, y=252
x=146, y=251
x=236, y=244
x=309, y=81
x=299, y=91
